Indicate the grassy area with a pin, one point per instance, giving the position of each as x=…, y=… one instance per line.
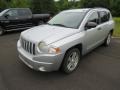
x=117, y=27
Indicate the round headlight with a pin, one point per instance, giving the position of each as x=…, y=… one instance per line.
x=41, y=44
x=43, y=47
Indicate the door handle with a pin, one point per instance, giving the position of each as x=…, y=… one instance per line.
x=16, y=18
x=99, y=28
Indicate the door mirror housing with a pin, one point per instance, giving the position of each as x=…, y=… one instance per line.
x=90, y=25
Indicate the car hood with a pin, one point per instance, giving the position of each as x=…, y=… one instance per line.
x=47, y=33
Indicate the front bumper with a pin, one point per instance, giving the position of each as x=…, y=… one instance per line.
x=42, y=62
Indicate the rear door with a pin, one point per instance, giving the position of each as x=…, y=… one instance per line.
x=104, y=24
x=25, y=18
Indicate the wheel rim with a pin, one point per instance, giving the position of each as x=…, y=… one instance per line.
x=73, y=61
x=109, y=39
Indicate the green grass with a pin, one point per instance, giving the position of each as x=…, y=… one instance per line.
x=117, y=27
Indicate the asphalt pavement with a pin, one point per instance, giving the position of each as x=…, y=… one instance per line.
x=98, y=70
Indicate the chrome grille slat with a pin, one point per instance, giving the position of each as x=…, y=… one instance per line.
x=25, y=45
x=28, y=46
x=32, y=48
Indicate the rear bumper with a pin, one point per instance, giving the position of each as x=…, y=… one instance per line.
x=42, y=62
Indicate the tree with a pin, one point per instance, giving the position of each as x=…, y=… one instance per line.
x=67, y=4
x=3, y=4
x=19, y=3
x=62, y=5
x=74, y=3
x=115, y=7
x=95, y=3
x=42, y=6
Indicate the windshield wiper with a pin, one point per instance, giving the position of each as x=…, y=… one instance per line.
x=48, y=23
x=60, y=25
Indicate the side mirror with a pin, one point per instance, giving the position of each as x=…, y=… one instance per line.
x=90, y=25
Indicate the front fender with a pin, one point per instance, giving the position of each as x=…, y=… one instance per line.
x=70, y=41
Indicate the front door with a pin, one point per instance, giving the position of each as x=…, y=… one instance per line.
x=92, y=34
x=11, y=19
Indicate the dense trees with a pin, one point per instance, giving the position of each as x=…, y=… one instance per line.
x=43, y=6
x=66, y=4
x=113, y=5
x=3, y=3
x=95, y=3
x=14, y=3
x=19, y=3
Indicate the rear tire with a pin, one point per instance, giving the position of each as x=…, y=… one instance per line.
x=108, y=40
x=71, y=60
x=1, y=31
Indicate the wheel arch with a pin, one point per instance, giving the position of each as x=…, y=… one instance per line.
x=111, y=31
x=79, y=46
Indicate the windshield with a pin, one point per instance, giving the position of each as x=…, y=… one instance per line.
x=68, y=19
x=2, y=12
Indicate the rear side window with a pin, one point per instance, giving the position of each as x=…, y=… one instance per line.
x=23, y=12
x=104, y=16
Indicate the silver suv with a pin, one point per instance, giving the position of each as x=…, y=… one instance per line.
x=61, y=42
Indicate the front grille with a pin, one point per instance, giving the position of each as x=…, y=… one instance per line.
x=28, y=46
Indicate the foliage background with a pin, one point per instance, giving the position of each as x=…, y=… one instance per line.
x=54, y=7
x=44, y=6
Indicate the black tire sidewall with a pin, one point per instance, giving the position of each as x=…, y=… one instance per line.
x=64, y=64
x=105, y=43
x=2, y=31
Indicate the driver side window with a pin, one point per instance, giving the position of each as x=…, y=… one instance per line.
x=94, y=18
x=92, y=21
x=12, y=13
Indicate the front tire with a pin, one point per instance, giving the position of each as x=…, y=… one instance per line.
x=71, y=61
x=108, y=40
x=1, y=31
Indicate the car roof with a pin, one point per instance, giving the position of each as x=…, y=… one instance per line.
x=86, y=10
x=101, y=9
x=77, y=10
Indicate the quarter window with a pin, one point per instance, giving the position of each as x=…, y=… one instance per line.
x=23, y=12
